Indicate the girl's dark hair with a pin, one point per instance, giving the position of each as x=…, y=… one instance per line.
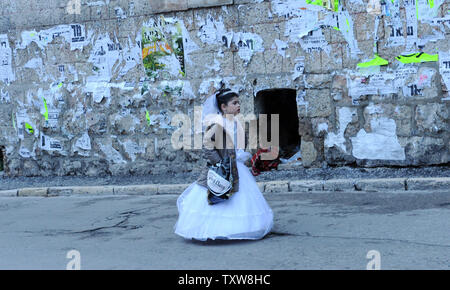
x=223, y=96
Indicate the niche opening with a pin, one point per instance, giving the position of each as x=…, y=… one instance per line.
x=282, y=102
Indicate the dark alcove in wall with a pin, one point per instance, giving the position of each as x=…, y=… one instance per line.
x=282, y=102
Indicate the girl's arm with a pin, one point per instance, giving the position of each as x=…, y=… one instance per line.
x=210, y=153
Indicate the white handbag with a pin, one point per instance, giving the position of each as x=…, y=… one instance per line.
x=218, y=178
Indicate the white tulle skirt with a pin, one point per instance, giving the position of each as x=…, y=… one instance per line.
x=246, y=215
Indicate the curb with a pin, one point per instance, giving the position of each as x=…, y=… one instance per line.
x=362, y=185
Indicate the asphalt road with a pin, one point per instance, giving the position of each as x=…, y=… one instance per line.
x=315, y=230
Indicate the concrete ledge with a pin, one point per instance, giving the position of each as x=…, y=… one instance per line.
x=339, y=185
x=306, y=185
x=438, y=183
x=276, y=186
x=145, y=189
x=8, y=193
x=279, y=186
x=380, y=184
x=36, y=191
x=81, y=190
x=171, y=188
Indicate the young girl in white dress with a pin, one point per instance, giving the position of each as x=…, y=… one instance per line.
x=246, y=214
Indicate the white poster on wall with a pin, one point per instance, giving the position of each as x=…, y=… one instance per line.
x=6, y=71
x=444, y=69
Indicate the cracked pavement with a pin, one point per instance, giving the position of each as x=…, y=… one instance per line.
x=312, y=230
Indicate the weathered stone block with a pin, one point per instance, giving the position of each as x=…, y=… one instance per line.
x=424, y=150
x=306, y=185
x=424, y=183
x=309, y=153
x=339, y=185
x=36, y=191
x=276, y=186
x=380, y=185
x=319, y=103
x=432, y=118
x=254, y=13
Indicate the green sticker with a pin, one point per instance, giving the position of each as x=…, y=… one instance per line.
x=46, y=110
x=374, y=62
x=336, y=28
x=29, y=128
x=147, y=116
x=60, y=85
x=417, y=57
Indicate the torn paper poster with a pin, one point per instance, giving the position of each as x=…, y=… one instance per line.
x=84, y=142
x=130, y=57
x=368, y=71
x=401, y=75
x=375, y=34
x=163, y=48
x=23, y=123
x=444, y=68
x=132, y=149
x=302, y=104
x=422, y=80
x=6, y=71
x=27, y=153
x=281, y=47
x=37, y=65
x=374, y=7
x=428, y=9
x=322, y=127
x=439, y=21
x=332, y=5
x=50, y=144
x=294, y=8
x=394, y=22
x=208, y=86
x=248, y=44
x=343, y=22
x=74, y=34
x=53, y=116
x=299, y=67
x=381, y=143
x=345, y=117
x=4, y=96
x=104, y=55
x=298, y=27
x=358, y=86
x=213, y=31
x=314, y=41
x=111, y=154
x=99, y=91
x=411, y=24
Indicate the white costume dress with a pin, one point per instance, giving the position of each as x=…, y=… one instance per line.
x=246, y=215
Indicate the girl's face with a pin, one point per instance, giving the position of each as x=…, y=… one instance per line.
x=233, y=107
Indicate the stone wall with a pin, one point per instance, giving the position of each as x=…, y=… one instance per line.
x=77, y=99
